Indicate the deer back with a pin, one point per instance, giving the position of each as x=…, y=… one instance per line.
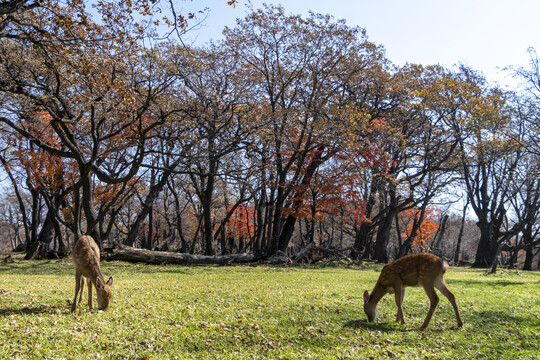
x=86, y=258
x=412, y=270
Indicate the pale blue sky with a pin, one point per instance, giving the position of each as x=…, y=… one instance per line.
x=485, y=34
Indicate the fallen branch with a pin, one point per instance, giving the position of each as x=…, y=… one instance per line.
x=131, y=254
x=311, y=247
x=304, y=252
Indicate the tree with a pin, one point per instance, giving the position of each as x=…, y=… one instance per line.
x=98, y=94
x=215, y=102
x=526, y=108
x=153, y=12
x=524, y=203
x=297, y=65
x=9, y=11
x=417, y=150
x=489, y=159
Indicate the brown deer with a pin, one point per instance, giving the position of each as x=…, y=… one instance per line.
x=86, y=259
x=424, y=270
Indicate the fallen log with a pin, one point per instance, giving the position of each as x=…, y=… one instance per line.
x=131, y=254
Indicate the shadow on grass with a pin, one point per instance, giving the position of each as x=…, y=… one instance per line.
x=174, y=269
x=25, y=311
x=499, y=317
x=66, y=267
x=495, y=282
x=376, y=326
x=37, y=267
x=394, y=327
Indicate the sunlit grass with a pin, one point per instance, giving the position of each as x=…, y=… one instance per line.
x=164, y=312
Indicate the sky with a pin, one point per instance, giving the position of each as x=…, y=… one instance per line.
x=487, y=35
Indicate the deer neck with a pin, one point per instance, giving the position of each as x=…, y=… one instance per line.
x=378, y=292
x=95, y=273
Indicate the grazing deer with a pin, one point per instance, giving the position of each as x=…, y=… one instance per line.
x=424, y=270
x=86, y=259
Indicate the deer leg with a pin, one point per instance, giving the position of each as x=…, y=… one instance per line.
x=434, y=300
x=443, y=288
x=77, y=287
x=399, y=292
x=402, y=300
x=90, y=294
x=82, y=289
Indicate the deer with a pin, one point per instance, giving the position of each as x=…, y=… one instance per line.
x=86, y=257
x=426, y=270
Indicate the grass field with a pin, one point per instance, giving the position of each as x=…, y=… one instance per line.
x=237, y=312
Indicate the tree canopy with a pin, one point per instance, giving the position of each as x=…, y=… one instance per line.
x=290, y=131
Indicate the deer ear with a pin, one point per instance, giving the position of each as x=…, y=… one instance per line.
x=109, y=282
x=99, y=283
x=366, y=296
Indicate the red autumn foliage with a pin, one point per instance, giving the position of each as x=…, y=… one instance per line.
x=427, y=229
x=44, y=171
x=242, y=222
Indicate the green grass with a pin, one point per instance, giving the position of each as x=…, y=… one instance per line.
x=237, y=312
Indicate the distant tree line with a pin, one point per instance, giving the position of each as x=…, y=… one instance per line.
x=290, y=132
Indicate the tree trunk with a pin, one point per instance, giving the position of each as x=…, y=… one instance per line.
x=383, y=236
x=383, y=233
x=22, y=208
x=460, y=235
x=513, y=259
x=40, y=248
x=259, y=232
x=361, y=241
x=208, y=233
x=194, y=241
x=494, y=262
x=484, y=252
x=527, y=265
x=150, y=235
x=35, y=216
x=87, y=204
x=153, y=193
x=528, y=239
x=178, y=215
x=362, y=234
x=436, y=247
x=61, y=245
x=277, y=221
x=290, y=223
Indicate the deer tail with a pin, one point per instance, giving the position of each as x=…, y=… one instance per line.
x=445, y=266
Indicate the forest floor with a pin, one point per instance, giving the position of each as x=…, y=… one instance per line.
x=261, y=312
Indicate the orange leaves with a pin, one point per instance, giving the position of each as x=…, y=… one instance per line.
x=38, y=125
x=242, y=222
x=366, y=138
x=42, y=169
x=427, y=229
x=377, y=124
x=106, y=193
x=332, y=192
x=371, y=156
